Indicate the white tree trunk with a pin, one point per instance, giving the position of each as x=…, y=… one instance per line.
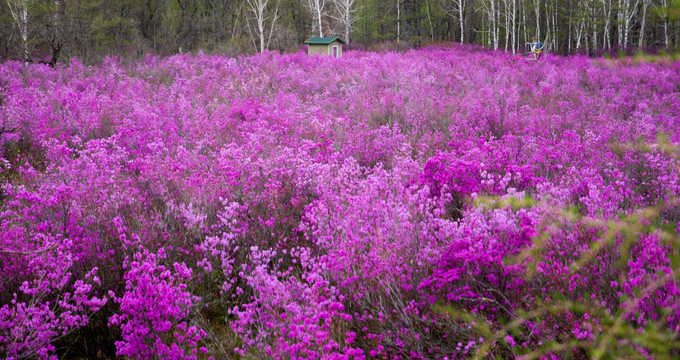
x=346, y=10
x=497, y=27
x=24, y=30
x=262, y=14
x=506, y=21
x=607, y=10
x=523, y=23
x=579, y=33
x=348, y=25
x=485, y=34
x=645, y=4
x=19, y=11
x=537, y=13
x=619, y=22
x=554, y=25
x=494, y=25
x=489, y=7
x=461, y=11
x=398, y=20
x=316, y=8
x=319, y=13
x=429, y=20
x=271, y=29
x=629, y=13
x=514, y=24
x=260, y=27
x=591, y=9
x=662, y=11
x=547, y=27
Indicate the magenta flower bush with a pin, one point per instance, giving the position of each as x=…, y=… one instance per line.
x=154, y=309
x=438, y=203
x=289, y=317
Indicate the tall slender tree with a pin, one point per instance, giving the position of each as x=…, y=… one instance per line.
x=645, y=5
x=262, y=12
x=19, y=11
x=317, y=9
x=346, y=15
x=458, y=13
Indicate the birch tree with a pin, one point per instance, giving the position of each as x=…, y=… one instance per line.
x=489, y=8
x=513, y=22
x=645, y=5
x=316, y=8
x=627, y=11
x=583, y=14
x=509, y=19
x=346, y=14
x=19, y=11
x=607, y=11
x=537, y=13
x=398, y=20
x=662, y=11
x=579, y=33
x=262, y=13
x=506, y=19
x=592, y=4
x=459, y=13
x=619, y=22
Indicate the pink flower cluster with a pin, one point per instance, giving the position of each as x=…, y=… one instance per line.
x=154, y=309
x=380, y=205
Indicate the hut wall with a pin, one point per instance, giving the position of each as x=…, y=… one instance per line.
x=317, y=49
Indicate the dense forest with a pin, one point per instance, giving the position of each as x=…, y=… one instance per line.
x=50, y=30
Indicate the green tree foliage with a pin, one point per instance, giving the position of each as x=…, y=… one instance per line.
x=90, y=29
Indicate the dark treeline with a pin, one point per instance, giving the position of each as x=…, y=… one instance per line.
x=49, y=30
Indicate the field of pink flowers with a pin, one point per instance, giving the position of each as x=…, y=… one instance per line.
x=440, y=203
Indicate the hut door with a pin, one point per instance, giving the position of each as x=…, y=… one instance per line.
x=335, y=51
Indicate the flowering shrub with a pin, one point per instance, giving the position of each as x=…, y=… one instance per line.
x=47, y=307
x=291, y=316
x=439, y=203
x=154, y=309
